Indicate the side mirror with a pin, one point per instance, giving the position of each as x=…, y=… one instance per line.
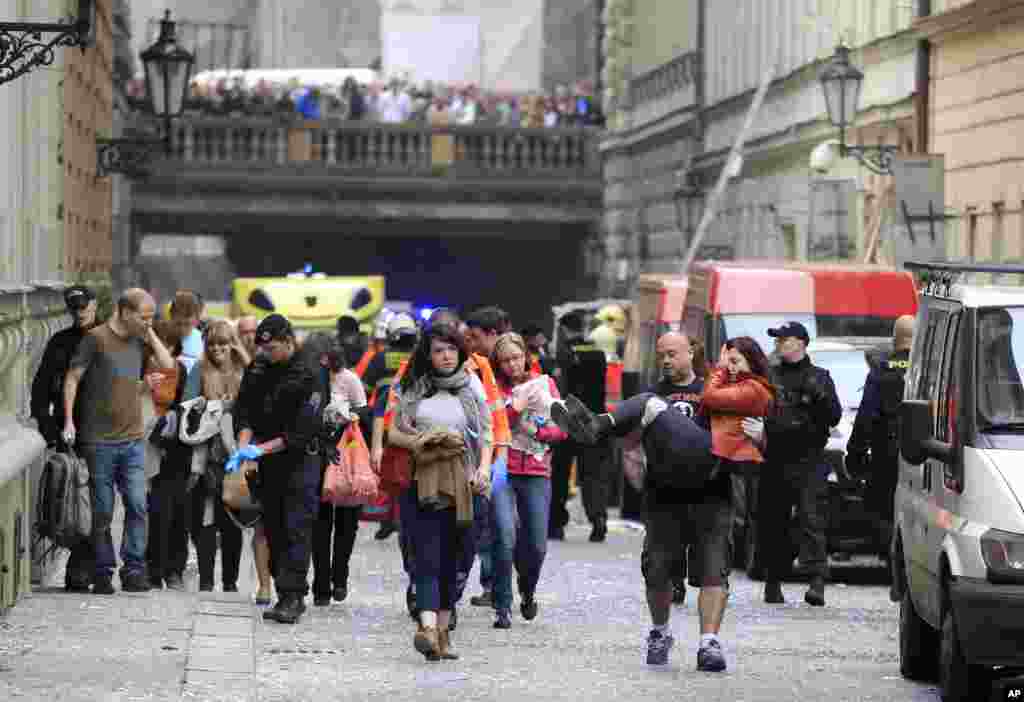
x=915, y=429
x=917, y=442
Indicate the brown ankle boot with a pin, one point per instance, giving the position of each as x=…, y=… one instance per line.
x=425, y=641
x=444, y=646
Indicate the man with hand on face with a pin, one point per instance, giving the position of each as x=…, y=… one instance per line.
x=246, y=327
x=48, y=401
x=107, y=370
x=797, y=429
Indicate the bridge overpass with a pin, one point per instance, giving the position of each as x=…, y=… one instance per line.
x=461, y=215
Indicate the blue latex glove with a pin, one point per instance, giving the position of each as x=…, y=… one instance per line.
x=250, y=452
x=233, y=462
x=499, y=474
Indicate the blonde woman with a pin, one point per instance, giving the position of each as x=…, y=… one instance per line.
x=219, y=372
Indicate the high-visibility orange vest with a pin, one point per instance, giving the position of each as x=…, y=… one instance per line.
x=613, y=385
x=364, y=362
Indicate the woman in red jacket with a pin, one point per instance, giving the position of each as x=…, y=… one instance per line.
x=527, y=490
x=737, y=388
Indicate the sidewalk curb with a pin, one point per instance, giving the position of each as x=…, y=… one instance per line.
x=221, y=661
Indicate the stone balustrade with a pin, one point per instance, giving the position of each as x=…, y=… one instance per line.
x=29, y=316
x=664, y=89
x=413, y=150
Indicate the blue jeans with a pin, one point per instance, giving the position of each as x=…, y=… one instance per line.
x=118, y=463
x=435, y=540
x=523, y=541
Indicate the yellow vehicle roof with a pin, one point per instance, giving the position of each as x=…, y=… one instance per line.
x=310, y=302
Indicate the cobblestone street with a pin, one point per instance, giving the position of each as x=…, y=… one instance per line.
x=588, y=642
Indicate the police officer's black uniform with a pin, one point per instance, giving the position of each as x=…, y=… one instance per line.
x=877, y=429
x=798, y=428
x=285, y=400
x=582, y=372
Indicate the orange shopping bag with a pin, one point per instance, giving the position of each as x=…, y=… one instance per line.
x=351, y=481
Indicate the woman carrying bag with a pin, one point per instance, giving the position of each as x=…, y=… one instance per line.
x=443, y=419
x=337, y=523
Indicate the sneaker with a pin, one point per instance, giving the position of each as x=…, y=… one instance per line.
x=599, y=532
x=658, y=646
x=136, y=582
x=103, y=586
x=815, y=595
x=773, y=593
x=504, y=620
x=679, y=593
x=576, y=420
x=484, y=599
x=340, y=593
x=270, y=615
x=710, y=658
x=175, y=582
x=528, y=608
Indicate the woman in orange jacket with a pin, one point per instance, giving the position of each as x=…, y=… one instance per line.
x=737, y=388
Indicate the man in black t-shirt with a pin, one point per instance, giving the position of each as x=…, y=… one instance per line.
x=687, y=502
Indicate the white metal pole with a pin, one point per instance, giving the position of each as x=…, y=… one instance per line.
x=710, y=209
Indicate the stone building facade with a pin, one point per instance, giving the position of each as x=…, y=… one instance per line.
x=680, y=76
x=54, y=229
x=976, y=119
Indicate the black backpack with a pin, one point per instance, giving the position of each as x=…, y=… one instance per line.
x=64, y=500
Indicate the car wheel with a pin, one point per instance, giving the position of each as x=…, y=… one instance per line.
x=919, y=643
x=957, y=679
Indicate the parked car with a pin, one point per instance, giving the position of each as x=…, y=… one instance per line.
x=958, y=544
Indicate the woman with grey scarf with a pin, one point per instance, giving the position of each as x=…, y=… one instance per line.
x=443, y=419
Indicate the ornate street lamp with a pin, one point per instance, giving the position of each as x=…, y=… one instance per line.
x=841, y=82
x=168, y=70
x=689, y=202
x=23, y=48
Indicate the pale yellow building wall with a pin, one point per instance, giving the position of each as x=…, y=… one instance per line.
x=977, y=122
x=663, y=29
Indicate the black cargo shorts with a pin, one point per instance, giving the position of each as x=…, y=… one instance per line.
x=706, y=527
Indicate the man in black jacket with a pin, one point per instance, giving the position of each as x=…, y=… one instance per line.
x=877, y=429
x=581, y=371
x=278, y=417
x=47, y=403
x=797, y=429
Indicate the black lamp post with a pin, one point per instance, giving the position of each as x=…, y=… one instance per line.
x=841, y=82
x=23, y=48
x=168, y=70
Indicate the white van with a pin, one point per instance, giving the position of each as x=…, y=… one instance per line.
x=958, y=542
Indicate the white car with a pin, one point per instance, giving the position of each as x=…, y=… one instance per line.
x=958, y=543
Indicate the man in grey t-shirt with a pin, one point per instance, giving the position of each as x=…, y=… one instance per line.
x=107, y=369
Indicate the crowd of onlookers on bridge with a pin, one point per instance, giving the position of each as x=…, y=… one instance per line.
x=397, y=101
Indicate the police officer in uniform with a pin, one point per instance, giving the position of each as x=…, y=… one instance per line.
x=581, y=371
x=874, y=445
x=278, y=418
x=806, y=408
